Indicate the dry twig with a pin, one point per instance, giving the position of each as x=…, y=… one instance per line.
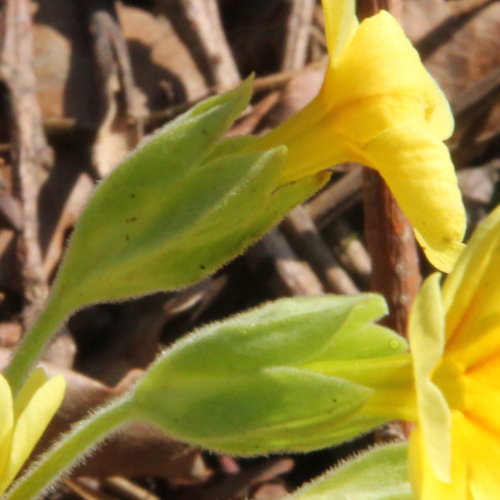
x=291, y=275
x=30, y=152
x=121, y=103
x=303, y=233
x=298, y=32
x=199, y=26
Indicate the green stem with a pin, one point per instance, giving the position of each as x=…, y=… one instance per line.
x=66, y=452
x=33, y=343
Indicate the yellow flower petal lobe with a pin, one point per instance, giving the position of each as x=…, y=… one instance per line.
x=426, y=337
x=379, y=61
x=441, y=120
x=7, y=422
x=379, y=106
x=471, y=295
x=468, y=373
x=418, y=170
x=483, y=452
x=32, y=420
x=482, y=393
x=426, y=485
x=35, y=380
x=340, y=24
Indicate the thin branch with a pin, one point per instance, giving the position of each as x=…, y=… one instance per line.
x=31, y=155
x=199, y=26
x=298, y=33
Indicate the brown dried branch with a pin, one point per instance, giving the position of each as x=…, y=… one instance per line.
x=11, y=211
x=30, y=153
x=248, y=123
x=289, y=275
x=389, y=236
x=86, y=489
x=298, y=31
x=336, y=197
x=238, y=485
x=303, y=234
x=349, y=250
x=199, y=25
x=122, y=105
x=127, y=489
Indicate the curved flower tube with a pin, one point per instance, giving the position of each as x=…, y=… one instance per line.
x=24, y=419
x=455, y=340
x=378, y=106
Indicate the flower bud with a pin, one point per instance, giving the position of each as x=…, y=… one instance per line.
x=242, y=386
x=179, y=207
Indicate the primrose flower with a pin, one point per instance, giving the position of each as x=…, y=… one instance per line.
x=378, y=106
x=24, y=420
x=455, y=340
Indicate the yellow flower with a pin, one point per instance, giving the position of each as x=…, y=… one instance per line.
x=378, y=106
x=455, y=340
x=24, y=420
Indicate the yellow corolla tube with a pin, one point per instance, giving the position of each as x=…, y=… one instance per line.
x=379, y=106
x=455, y=340
x=23, y=420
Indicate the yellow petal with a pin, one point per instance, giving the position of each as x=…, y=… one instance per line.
x=31, y=423
x=363, y=120
x=379, y=106
x=380, y=60
x=7, y=422
x=418, y=170
x=441, y=120
x=34, y=381
x=426, y=335
x=340, y=24
x=312, y=143
x=478, y=345
x=425, y=483
x=471, y=296
x=482, y=450
x=482, y=393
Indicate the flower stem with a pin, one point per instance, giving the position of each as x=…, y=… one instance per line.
x=66, y=452
x=33, y=343
x=390, y=240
